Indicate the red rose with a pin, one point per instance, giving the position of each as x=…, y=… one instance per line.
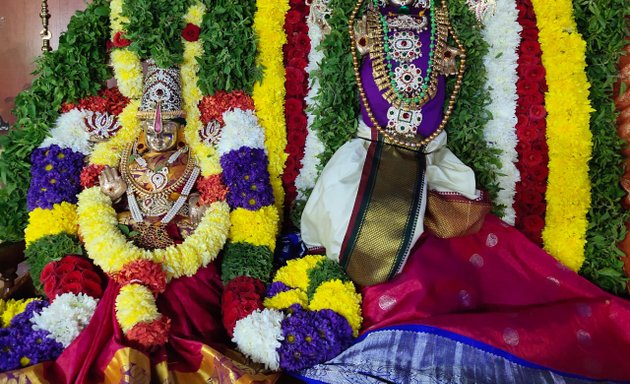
x=75, y=288
x=531, y=159
x=525, y=60
x=537, y=112
x=71, y=278
x=538, y=173
x=63, y=268
x=293, y=17
x=539, y=145
x=293, y=29
x=93, y=289
x=529, y=196
x=119, y=41
x=296, y=121
x=298, y=62
x=295, y=3
x=300, y=42
x=191, y=32
x=109, y=45
x=526, y=87
x=536, y=73
x=535, y=98
x=293, y=105
x=295, y=52
x=529, y=34
x=530, y=47
x=533, y=223
x=528, y=24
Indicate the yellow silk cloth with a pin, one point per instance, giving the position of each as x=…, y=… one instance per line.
x=134, y=367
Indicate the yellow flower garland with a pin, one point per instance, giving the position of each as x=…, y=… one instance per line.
x=568, y=135
x=127, y=65
x=284, y=300
x=335, y=295
x=42, y=222
x=255, y=227
x=269, y=94
x=135, y=304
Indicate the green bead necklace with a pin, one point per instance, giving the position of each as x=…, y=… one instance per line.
x=386, y=47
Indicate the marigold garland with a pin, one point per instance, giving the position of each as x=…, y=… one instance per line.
x=269, y=94
x=568, y=134
x=41, y=222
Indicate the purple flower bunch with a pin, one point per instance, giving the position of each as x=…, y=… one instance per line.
x=312, y=337
x=247, y=178
x=55, y=175
x=275, y=288
x=21, y=346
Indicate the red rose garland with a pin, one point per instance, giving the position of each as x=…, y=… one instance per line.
x=529, y=202
x=241, y=296
x=295, y=61
x=108, y=100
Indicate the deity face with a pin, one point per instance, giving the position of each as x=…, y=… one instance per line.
x=400, y=3
x=162, y=139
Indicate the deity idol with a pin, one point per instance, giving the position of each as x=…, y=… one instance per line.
x=458, y=293
x=160, y=317
x=157, y=172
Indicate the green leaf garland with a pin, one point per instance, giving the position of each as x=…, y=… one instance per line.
x=244, y=259
x=48, y=249
x=230, y=48
x=325, y=270
x=155, y=28
x=604, y=27
x=78, y=68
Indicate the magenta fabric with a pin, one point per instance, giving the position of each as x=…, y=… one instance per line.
x=499, y=288
x=192, y=304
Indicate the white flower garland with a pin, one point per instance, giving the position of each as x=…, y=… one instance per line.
x=65, y=317
x=70, y=131
x=241, y=129
x=259, y=335
x=502, y=33
x=305, y=181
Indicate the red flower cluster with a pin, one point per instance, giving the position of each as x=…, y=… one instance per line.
x=147, y=336
x=119, y=40
x=108, y=100
x=211, y=189
x=74, y=274
x=212, y=107
x=241, y=296
x=144, y=272
x=89, y=175
x=532, y=149
x=191, y=32
x=295, y=61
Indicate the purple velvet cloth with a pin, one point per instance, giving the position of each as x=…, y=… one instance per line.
x=431, y=111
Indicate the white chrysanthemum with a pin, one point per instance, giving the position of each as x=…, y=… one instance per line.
x=259, y=335
x=502, y=33
x=70, y=132
x=241, y=130
x=313, y=147
x=66, y=317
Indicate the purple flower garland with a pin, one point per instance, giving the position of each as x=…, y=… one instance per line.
x=247, y=178
x=22, y=346
x=312, y=337
x=55, y=175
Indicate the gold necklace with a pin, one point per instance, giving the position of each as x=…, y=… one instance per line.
x=392, y=136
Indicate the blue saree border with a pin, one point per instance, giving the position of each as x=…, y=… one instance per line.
x=432, y=330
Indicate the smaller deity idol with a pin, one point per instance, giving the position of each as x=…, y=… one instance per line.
x=157, y=171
